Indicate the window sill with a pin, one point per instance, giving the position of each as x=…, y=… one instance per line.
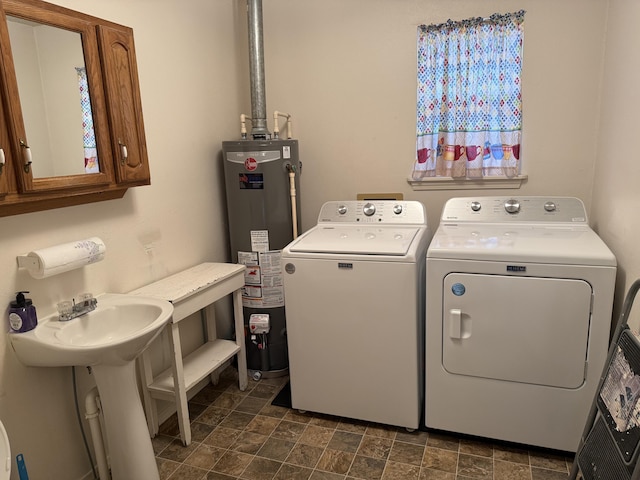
x=446, y=183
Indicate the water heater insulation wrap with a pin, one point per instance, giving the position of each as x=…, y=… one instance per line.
x=260, y=226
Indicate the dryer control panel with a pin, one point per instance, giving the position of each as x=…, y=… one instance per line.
x=390, y=212
x=515, y=209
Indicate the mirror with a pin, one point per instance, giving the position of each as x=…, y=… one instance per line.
x=54, y=96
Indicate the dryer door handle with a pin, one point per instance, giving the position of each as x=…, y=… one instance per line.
x=455, y=323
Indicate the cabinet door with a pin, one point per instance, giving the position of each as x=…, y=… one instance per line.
x=6, y=164
x=124, y=104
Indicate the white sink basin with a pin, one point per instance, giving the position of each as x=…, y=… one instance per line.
x=116, y=332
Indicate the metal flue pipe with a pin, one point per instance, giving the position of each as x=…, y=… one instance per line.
x=256, y=70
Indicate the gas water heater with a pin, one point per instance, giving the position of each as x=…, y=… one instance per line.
x=262, y=178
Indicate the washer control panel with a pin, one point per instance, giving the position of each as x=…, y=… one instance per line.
x=374, y=211
x=514, y=209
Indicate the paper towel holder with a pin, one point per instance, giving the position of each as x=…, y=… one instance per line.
x=25, y=261
x=62, y=258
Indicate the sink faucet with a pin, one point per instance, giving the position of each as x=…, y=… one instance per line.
x=69, y=310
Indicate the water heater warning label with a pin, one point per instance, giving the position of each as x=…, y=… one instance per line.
x=251, y=181
x=263, y=287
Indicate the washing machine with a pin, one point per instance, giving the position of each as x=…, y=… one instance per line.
x=519, y=300
x=354, y=300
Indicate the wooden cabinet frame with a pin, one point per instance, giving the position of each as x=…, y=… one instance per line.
x=110, y=62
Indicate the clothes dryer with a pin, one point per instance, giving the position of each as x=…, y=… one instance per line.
x=354, y=299
x=519, y=300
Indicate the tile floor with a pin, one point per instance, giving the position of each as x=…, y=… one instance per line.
x=240, y=435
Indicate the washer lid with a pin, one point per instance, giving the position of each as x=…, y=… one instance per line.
x=356, y=240
x=5, y=454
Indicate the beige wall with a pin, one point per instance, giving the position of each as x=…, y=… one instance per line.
x=190, y=75
x=616, y=195
x=345, y=70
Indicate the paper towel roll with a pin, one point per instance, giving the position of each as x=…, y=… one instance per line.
x=65, y=257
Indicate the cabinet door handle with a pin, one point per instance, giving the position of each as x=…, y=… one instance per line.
x=2, y=160
x=26, y=153
x=123, y=153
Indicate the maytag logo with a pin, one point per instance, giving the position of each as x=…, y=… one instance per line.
x=516, y=268
x=345, y=265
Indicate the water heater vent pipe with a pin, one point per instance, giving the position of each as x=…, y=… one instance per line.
x=259, y=128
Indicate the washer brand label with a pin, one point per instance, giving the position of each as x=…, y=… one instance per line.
x=348, y=266
x=516, y=268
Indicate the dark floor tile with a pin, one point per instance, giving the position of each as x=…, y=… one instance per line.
x=475, y=467
x=232, y=463
x=475, y=447
x=261, y=469
x=219, y=476
x=204, y=456
x=383, y=431
x=291, y=431
x=227, y=401
x=177, y=452
x=335, y=461
x=440, y=440
x=249, y=442
x=213, y=415
x=317, y=436
x=375, y=447
x=263, y=425
x=305, y=455
x=276, y=449
x=206, y=396
x=543, y=474
x=292, y=472
x=345, y=441
x=160, y=442
x=166, y=467
x=417, y=437
x=548, y=461
x=237, y=420
x=440, y=459
x=187, y=472
x=222, y=437
x=200, y=431
x=366, y=468
x=400, y=471
x=295, y=416
x=251, y=405
x=510, y=471
x=429, y=474
x=406, y=453
x=511, y=454
x=264, y=390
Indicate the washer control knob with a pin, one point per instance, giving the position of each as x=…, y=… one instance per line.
x=476, y=206
x=397, y=209
x=512, y=206
x=342, y=209
x=369, y=209
x=550, y=207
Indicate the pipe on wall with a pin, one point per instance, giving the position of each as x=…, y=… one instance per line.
x=256, y=70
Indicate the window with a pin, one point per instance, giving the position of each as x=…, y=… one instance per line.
x=469, y=101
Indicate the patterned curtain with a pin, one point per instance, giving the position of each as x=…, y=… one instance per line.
x=89, y=137
x=469, y=114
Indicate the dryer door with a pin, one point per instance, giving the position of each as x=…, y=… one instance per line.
x=517, y=329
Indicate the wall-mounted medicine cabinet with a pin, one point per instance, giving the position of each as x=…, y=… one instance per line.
x=71, y=127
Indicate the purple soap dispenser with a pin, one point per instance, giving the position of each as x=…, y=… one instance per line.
x=22, y=314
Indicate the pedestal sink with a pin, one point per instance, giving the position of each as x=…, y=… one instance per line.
x=108, y=339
